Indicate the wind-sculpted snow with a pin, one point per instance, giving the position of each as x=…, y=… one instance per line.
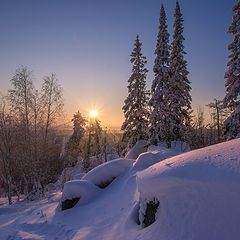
x=198, y=195
x=82, y=189
x=108, y=171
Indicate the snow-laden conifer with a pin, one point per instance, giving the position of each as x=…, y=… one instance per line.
x=180, y=103
x=159, y=102
x=232, y=76
x=135, y=107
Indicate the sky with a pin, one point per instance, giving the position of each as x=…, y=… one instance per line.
x=88, y=43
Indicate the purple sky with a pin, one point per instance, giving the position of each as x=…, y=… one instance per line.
x=87, y=43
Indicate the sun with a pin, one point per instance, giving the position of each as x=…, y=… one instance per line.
x=93, y=113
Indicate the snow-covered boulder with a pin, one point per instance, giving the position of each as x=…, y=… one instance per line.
x=198, y=193
x=149, y=158
x=140, y=147
x=84, y=190
x=176, y=146
x=158, y=153
x=107, y=172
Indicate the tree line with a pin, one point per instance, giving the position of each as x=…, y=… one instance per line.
x=29, y=145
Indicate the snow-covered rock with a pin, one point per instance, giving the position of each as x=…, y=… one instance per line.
x=84, y=190
x=176, y=146
x=108, y=171
x=140, y=147
x=198, y=193
x=158, y=153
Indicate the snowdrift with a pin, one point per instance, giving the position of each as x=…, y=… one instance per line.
x=83, y=190
x=198, y=193
x=107, y=172
x=158, y=153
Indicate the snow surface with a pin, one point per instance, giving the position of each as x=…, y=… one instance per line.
x=158, y=153
x=198, y=193
x=85, y=190
x=105, y=172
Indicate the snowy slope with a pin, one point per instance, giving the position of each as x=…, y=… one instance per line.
x=198, y=191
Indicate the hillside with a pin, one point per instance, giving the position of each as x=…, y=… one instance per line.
x=198, y=195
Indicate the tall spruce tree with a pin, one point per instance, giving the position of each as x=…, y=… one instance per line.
x=180, y=103
x=136, y=104
x=232, y=76
x=160, y=116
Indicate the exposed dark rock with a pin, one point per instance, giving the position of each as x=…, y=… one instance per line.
x=106, y=183
x=69, y=203
x=150, y=213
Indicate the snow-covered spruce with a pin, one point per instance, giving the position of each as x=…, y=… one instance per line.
x=232, y=76
x=160, y=117
x=135, y=107
x=180, y=98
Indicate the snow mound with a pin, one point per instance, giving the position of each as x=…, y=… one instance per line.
x=176, y=146
x=108, y=171
x=84, y=190
x=198, y=193
x=158, y=153
x=137, y=149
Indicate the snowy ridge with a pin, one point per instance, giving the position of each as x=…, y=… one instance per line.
x=107, y=171
x=198, y=195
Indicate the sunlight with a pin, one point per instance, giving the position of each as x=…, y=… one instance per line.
x=93, y=113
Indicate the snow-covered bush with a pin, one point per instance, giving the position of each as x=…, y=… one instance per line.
x=68, y=174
